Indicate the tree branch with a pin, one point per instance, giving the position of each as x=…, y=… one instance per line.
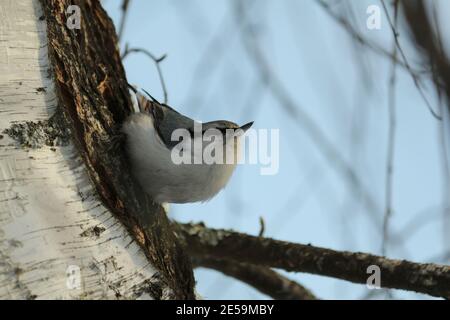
x=392, y=125
x=428, y=42
x=123, y=19
x=266, y=280
x=423, y=25
x=156, y=60
x=427, y=278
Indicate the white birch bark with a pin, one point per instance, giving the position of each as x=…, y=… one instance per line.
x=51, y=223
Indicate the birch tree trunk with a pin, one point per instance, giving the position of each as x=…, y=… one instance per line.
x=57, y=238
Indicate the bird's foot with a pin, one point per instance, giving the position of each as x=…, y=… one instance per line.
x=116, y=142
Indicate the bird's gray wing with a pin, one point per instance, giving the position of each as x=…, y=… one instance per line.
x=166, y=119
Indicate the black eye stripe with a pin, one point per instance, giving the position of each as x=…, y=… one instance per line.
x=222, y=130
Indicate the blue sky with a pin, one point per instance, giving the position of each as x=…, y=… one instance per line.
x=209, y=75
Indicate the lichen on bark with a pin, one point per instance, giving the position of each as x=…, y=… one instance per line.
x=35, y=134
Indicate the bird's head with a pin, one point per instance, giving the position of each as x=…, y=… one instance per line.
x=226, y=135
x=226, y=129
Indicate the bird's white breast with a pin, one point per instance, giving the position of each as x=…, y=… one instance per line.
x=159, y=176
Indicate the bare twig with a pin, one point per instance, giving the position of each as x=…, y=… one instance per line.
x=426, y=278
x=429, y=44
x=391, y=140
x=406, y=63
x=356, y=35
x=263, y=279
x=124, y=7
x=380, y=50
x=156, y=60
x=262, y=226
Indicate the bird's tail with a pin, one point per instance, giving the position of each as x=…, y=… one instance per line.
x=144, y=105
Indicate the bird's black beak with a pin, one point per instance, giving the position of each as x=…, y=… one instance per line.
x=246, y=126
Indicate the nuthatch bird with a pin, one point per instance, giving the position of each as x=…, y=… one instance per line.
x=150, y=148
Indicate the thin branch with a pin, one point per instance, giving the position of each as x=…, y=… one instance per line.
x=423, y=36
x=429, y=44
x=380, y=50
x=124, y=7
x=356, y=35
x=156, y=60
x=391, y=141
x=263, y=279
x=262, y=227
x=406, y=63
x=426, y=278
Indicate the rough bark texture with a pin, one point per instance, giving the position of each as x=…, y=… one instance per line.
x=427, y=278
x=50, y=217
x=92, y=91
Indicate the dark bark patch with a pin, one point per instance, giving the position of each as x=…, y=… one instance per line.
x=95, y=231
x=31, y=134
x=92, y=89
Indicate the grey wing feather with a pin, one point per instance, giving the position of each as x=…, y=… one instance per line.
x=166, y=119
